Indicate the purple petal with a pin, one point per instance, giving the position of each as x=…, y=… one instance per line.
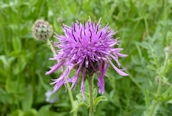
x=101, y=83
x=93, y=66
x=74, y=79
x=54, y=68
x=116, y=60
x=82, y=84
x=115, y=50
x=119, y=71
x=58, y=83
x=61, y=80
x=103, y=70
x=121, y=55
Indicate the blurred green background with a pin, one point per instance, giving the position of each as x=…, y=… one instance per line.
x=144, y=29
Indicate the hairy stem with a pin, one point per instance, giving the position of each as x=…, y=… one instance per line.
x=154, y=108
x=51, y=47
x=71, y=98
x=159, y=85
x=68, y=87
x=91, y=87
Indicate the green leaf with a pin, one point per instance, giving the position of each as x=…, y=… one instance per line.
x=20, y=65
x=147, y=98
x=95, y=92
x=4, y=60
x=16, y=43
x=17, y=112
x=43, y=84
x=170, y=102
x=27, y=99
x=77, y=105
x=99, y=99
x=6, y=98
x=45, y=111
x=31, y=112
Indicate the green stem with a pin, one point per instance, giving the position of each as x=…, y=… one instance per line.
x=166, y=92
x=163, y=72
x=91, y=87
x=51, y=47
x=159, y=85
x=146, y=25
x=71, y=98
x=68, y=87
x=154, y=108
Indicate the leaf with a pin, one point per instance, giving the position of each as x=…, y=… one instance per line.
x=20, y=65
x=99, y=99
x=27, y=99
x=147, y=99
x=6, y=98
x=31, y=112
x=95, y=92
x=170, y=102
x=143, y=45
x=45, y=111
x=79, y=98
x=4, y=60
x=17, y=112
x=43, y=84
x=16, y=43
x=77, y=105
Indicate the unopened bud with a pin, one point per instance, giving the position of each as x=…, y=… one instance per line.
x=168, y=84
x=157, y=79
x=60, y=20
x=42, y=30
x=166, y=49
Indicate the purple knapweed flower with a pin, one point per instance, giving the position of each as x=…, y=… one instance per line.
x=88, y=49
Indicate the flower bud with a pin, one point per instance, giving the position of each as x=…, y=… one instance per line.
x=166, y=49
x=42, y=30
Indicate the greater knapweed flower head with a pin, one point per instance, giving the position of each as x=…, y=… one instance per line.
x=88, y=49
x=42, y=30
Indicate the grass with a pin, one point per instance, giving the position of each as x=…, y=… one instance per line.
x=144, y=28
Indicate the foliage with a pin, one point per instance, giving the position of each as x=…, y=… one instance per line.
x=144, y=28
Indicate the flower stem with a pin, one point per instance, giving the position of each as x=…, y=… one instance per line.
x=68, y=87
x=51, y=47
x=71, y=98
x=154, y=108
x=91, y=87
x=159, y=85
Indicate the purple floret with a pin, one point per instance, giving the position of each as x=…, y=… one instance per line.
x=88, y=49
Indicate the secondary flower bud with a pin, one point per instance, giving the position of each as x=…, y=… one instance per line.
x=42, y=30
